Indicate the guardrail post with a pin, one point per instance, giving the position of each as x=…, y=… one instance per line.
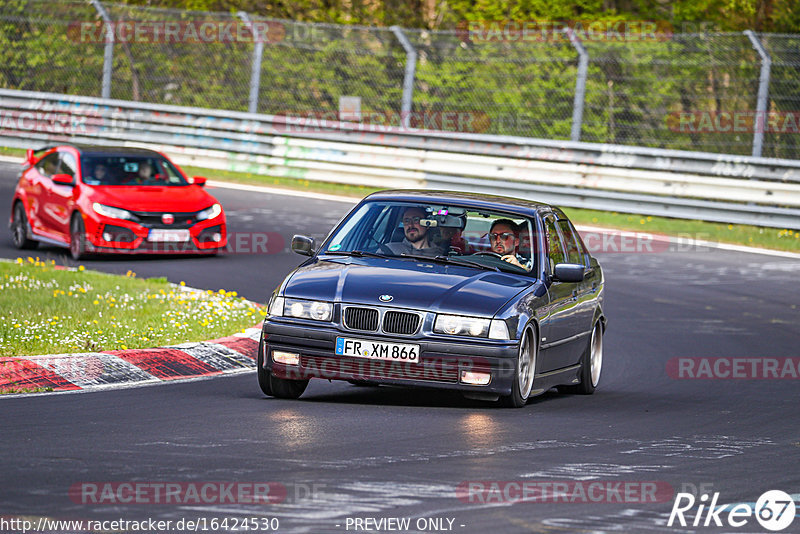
x=255, y=69
x=763, y=93
x=108, y=52
x=580, y=85
x=408, y=78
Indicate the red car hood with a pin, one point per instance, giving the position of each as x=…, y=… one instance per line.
x=153, y=198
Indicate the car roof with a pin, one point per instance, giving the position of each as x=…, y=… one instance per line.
x=474, y=200
x=98, y=150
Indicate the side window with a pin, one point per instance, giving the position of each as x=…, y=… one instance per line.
x=68, y=164
x=574, y=251
x=48, y=166
x=555, y=248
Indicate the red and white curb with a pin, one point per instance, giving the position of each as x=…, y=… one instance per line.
x=115, y=368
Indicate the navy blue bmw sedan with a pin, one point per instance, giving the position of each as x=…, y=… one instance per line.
x=495, y=297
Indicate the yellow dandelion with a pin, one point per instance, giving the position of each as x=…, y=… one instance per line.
x=81, y=268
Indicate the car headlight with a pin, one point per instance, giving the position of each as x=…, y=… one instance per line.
x=308, y=309
x=114, y=213
x=457, y=325
x=209, y=213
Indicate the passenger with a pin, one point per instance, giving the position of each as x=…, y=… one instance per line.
x=504, y=240
x=451, y=238
x=416, y=240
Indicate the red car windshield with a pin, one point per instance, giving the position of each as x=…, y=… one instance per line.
x=130, y=170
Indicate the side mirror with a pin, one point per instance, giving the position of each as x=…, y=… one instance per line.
x=569, y=272
x=199, y=180
x=303, y=245
x=30, y=159
x=63, y=179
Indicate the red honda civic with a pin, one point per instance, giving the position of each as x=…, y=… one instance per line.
x=94, y=199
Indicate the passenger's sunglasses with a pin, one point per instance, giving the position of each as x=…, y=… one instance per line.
x=504, y=236
x=411, y=220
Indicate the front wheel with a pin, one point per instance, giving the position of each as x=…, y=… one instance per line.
x=19, y=229
x=77, y=238
x=273, y=386
x=524, y=371
x=591, y=365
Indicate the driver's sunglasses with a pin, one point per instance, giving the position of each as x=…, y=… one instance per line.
x=504, y=236
x=411, y=220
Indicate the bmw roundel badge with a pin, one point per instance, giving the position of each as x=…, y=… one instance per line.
x=385, y=298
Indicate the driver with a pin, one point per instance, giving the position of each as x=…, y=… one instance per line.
x=416, y=240
x=145, y=172
x=504, y=240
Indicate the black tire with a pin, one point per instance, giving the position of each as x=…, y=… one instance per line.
x=524, y=372
x=281, y=388
x=77, y=238
x=591, y=364
x=19, y=229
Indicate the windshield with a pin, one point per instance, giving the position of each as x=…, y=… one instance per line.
x=130, y=170
x=467, y=236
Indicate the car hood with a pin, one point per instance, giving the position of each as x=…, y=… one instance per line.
x=153, y=198
x=412, y=284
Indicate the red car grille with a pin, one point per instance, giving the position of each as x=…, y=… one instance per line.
x=431, y=370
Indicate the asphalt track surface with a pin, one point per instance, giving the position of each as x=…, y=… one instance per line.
x=344, y=452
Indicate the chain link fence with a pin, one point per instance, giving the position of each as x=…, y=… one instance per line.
x=681, y=91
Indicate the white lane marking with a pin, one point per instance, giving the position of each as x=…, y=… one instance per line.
x=689, y=242
x=278, y=191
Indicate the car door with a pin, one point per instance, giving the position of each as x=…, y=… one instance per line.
x=558, y=343
x=60, y=199
x=584, y=293
x=39, y=182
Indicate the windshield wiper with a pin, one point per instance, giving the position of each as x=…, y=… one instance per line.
x=448, y=259
x=356, y=253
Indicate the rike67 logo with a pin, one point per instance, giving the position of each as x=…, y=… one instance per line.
x=774, y=510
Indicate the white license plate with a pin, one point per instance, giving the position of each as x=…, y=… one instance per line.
x=168, y=236
x=378, y=350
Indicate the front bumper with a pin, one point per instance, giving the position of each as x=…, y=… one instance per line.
x=130, y=237
x=440, y=364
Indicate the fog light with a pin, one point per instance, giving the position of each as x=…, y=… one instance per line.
x=286, y=358
x=106, y=236
x=475, y=378
x=217, y=237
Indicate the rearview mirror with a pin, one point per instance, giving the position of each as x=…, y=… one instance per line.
x=62, y=179
x=199, y=180
x=569, y=272
x=303, y=245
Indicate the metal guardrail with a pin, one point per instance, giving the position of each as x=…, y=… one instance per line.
x=712, y=187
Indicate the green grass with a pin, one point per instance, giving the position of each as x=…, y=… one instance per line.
x=44, y=310
x=5, y=151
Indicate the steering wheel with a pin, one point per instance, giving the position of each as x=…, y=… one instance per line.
x=383, y=249
x=488, y=253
